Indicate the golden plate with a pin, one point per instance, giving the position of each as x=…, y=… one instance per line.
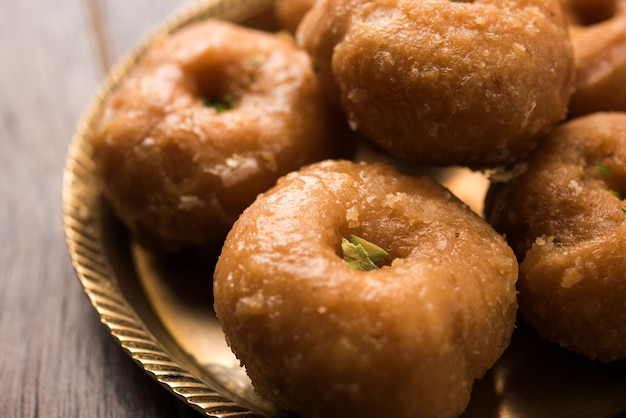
x=160, y=309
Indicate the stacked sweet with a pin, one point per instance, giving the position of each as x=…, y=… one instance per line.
x=352, y=288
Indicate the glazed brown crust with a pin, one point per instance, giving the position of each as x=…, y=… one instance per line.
x=289, y=13
x=598, y=32
x=328, y=341
x=441, y=82
x=566, y=220
x=179, y=172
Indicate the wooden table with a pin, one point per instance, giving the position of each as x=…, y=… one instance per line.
x=56, y=359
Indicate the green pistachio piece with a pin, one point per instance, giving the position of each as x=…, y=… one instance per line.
x=603, y=169
x=374, y=252
x=356, y=256
x=257, y=60
x=221, y=104
x=361, y=254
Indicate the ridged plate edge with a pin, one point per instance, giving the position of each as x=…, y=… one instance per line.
x=83, y=219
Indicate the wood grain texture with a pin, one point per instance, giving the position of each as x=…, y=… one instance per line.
x=56, y=359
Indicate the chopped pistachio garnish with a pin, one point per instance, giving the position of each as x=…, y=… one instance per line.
x=221, y=104
x=374, y=252
x=616, y=194
x=624, y=208
x=356, y=256
x=361, y=254
x=257, y=60
x=603, y=169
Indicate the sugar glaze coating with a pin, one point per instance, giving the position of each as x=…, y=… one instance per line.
x=321, y=338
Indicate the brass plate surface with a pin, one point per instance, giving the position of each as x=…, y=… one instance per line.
x=160, y=309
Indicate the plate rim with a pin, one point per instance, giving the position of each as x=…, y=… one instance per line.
x=84, y=239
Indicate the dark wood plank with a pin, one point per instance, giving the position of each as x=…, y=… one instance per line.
x=56, y=359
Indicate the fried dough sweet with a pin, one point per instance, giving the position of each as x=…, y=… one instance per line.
x=565, y=217
x=406, y=340
x=443, y=82
x=211, y=116
x=598, y=32
x=289, y=13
